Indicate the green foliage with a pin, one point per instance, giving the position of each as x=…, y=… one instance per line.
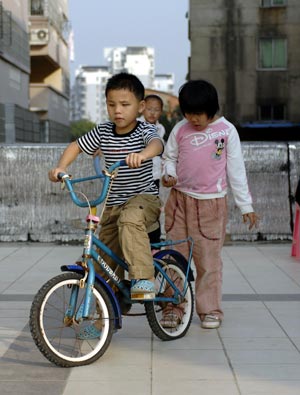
x=170, y=120
x=78, y=128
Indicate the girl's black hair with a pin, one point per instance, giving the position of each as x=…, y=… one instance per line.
x=198, y=96
x=126, y=81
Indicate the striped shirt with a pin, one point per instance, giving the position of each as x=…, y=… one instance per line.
x=114, y=147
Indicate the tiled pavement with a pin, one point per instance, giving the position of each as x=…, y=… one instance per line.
x=256, y=351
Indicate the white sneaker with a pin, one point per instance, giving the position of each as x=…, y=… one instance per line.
x=211, y=322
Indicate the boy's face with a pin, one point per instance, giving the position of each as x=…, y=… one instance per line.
x=152, y=110
x=123, y=108
x=199, y=121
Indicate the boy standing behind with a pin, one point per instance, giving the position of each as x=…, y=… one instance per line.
x=151, y=114
x=133, y=205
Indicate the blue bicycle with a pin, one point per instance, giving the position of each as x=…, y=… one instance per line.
x=74, y=315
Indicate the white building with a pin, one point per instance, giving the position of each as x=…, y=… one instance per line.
x=135, y=60
x=164, y=82
x=88, y=94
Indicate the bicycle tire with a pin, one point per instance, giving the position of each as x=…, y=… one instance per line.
x=55, y=333
x=154, y=310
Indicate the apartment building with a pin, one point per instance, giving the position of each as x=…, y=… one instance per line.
x=134, y=60
x=88, y=94
x=250, y=50
x=49, y=78
x=34, y=71
x=164, y=82
x=88, y=91
x=16, y=121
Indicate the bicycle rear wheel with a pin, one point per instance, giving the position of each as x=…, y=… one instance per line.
x=156, y=311
x=58, y=334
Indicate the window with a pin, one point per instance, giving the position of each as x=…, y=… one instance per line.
x=271, y=112
x=273, y=3
x=15, y=80
x=37, y=7
x=272, y=53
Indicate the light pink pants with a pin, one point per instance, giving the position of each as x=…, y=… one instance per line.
x=205, y=221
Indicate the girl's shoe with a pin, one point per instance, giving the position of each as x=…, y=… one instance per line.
x=142, y=290
x=211, y=321
x=170, y=320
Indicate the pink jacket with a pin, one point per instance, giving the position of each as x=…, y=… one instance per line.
x=203, y=161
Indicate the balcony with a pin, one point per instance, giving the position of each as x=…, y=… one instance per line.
x=49, y=103
x=46, y=42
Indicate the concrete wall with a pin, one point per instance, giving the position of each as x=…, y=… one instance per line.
x=225, y=36
x=33, y=208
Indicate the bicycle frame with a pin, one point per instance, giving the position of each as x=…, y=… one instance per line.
x=90, y=254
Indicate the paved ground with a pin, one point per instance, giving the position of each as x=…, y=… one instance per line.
x=256, y=351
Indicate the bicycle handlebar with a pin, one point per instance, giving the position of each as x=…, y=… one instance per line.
x=97, y=165
x=93, y=203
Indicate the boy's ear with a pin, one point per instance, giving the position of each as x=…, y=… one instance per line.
x=142, y=106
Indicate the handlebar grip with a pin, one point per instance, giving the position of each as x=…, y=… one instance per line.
x=97, y=165
x=60, y=176
x=116, y=165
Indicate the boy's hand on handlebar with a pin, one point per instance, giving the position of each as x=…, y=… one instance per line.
x=168, y=181
x=53, y=173
x=134, y=160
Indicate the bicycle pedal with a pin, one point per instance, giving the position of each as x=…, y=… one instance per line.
x=142, y=296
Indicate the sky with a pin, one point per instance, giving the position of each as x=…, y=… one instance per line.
x=160, y=24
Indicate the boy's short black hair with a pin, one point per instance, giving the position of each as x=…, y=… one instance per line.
x=155, y=97
x=126, y=81
x=198, y=96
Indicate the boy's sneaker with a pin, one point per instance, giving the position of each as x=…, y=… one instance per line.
x=142, y=290
x=211, y=322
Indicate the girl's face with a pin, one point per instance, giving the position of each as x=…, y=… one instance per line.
x=200, y=121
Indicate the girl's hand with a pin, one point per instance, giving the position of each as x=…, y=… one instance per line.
x=252, y=218
x=168, y=181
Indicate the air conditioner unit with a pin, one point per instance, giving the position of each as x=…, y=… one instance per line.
x=39, y=36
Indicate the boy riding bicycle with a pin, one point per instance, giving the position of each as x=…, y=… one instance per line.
x=133, y=205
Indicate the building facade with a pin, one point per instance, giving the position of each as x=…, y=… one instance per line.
x=16, y=121
x=134, y=60
x=49, y=77
x=164, y=82
x=34, y=71
x=88, y=94
x=250, y=50
x=88, y=91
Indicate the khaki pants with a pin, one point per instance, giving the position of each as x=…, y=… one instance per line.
x=124, y=229
x=205, y=221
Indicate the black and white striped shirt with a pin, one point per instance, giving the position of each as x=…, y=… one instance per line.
x=129, y=182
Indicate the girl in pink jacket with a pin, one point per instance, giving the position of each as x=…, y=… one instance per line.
x=203, y=152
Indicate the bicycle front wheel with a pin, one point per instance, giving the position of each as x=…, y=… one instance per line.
x=58, y=329
x=170, y=321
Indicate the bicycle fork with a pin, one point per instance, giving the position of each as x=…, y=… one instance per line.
x=88, y=280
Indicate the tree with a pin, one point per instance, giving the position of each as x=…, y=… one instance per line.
x=78, y=128
x=170, y=120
